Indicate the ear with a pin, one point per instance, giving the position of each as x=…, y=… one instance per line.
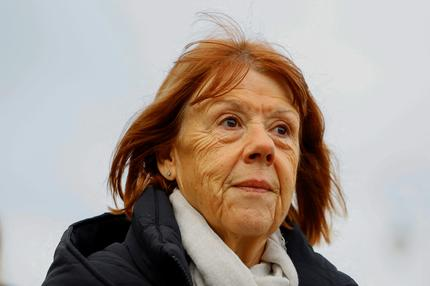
x=166, y=165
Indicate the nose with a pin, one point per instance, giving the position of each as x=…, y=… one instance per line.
x=259, y=147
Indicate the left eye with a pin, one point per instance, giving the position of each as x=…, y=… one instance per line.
x=281, y=130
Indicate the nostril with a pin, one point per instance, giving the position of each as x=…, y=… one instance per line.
x=253, y=156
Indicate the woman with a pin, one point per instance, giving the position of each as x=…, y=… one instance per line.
x=227, y=181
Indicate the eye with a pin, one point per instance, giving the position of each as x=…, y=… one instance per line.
x=230, y=122
x=282, y=130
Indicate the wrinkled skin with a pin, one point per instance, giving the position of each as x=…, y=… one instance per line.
x=235, y=161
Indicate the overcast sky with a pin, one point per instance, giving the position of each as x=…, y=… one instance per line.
x=73, y=73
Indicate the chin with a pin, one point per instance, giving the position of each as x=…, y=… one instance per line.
x=251, y=224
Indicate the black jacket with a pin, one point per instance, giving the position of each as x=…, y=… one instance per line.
x=110, y=250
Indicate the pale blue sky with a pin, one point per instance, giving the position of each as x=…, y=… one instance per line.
x=72, y=73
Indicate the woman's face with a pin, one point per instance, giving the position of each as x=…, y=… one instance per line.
x=236, y=156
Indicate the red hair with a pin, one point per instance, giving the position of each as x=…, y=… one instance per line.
x=210, y=68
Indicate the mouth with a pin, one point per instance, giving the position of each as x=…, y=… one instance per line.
x=255, y=186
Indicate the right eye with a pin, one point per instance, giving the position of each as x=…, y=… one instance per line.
x=230, y=122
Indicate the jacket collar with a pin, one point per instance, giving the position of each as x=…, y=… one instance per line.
x=155, y=233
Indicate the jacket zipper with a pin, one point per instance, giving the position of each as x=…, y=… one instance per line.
x=183, y=270
x=157, y=225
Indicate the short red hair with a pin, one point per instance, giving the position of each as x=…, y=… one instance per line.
x=210, y=68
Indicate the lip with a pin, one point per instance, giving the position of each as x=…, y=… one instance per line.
x=254, y=185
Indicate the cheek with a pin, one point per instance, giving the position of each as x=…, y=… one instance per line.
x=206, y=155
x=204, y=166
x=287, y=172
x=288, y=165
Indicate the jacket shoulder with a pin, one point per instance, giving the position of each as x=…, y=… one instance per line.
x=322, y=271
x=312, y=268
x=68, y=268
x=90, y=252
x=117, y=266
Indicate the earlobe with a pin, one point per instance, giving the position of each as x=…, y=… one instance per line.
x=166, y=166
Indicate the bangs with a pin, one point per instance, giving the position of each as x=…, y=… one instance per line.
x=220, y=80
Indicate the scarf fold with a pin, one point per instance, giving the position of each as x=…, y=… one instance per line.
x=214, y=263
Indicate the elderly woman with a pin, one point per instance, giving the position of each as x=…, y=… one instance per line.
x=228, y=181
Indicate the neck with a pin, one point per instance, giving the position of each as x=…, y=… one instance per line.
x=249, y=249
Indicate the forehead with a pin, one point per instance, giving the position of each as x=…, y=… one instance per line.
x=265, y=85
x=255, y=88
